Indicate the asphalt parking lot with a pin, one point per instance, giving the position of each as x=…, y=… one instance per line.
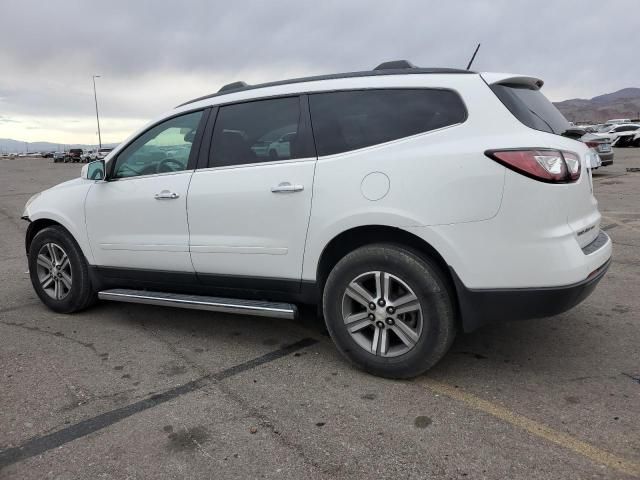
x=132, y=391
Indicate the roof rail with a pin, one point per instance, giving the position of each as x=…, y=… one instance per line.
x=233, y=86
x=395, y=65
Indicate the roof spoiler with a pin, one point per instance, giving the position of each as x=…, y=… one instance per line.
x=511, y=79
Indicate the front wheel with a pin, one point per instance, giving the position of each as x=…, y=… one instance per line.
x=59, y=272
x=389, y=311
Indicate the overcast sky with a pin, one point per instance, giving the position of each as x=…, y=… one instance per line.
x=153, y=55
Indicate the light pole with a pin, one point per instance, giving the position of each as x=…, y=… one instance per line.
x=95, y=97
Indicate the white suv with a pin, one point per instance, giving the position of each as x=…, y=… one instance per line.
x=410, y=203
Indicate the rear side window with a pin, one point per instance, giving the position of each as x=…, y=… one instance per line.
x=531, y=107
x=349, y=120
x=257, y=131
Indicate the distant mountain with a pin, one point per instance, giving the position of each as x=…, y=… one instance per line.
x=624, y=103
x=8, y=145
x=625, y=93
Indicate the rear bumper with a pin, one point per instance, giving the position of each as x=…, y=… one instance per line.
x=479, y=307
x=606, y=158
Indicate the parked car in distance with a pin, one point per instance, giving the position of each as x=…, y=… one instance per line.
x=88, y=156
x=615, y=121
x=47, y=155
x=59, y=157
x=103, y=152
x=74, y=155
x=600, y=145
x=281, y=148
x=443, y=199
x=619, y=135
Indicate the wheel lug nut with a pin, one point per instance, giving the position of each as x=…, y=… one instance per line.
x=380, y=324
x=391, y=310
x=381, y=302
x=390, y=321
x=372, y=316
x=372, y=306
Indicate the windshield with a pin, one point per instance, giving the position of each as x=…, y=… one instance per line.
x=531, y=107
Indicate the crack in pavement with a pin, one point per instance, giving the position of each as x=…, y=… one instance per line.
x=58, y=334
x=263, y=419
x=18, y=307
x=44, y=443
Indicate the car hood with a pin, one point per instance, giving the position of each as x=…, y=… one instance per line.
x=67, y=184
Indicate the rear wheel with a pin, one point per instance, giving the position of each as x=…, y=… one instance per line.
x=389, y=311
x=59, y=272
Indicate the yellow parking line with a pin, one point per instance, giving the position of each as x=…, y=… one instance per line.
x=537, y=429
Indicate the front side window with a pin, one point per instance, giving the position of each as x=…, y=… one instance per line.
x=258, y=131
x=162, y=149
x=349, y=120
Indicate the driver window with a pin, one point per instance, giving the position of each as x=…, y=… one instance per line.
x=164, y=148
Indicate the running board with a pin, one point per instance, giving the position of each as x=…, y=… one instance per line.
x=199, y=302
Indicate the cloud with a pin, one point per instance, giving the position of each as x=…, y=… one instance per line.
x=4, y=119
x=153, y=55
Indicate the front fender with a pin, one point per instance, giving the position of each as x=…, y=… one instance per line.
x=63, y=205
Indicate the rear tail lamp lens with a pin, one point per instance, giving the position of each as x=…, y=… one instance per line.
x=592, y=144
x=551, y=166
x=573, y=165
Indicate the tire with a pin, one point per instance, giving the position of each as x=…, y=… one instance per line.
x=55, y=242
x=432, y=312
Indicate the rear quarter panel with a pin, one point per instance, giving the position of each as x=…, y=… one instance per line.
x=435, y=178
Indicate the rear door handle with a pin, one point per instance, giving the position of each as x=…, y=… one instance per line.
x=286, y=187
x=166, y=195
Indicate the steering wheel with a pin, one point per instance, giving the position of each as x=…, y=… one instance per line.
x=166, y=165
x=128, y=167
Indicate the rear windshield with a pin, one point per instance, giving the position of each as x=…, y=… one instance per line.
x=531, y=107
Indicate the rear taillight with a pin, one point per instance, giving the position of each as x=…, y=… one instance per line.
x=545, y=165
x=592, y=144
x=573, y=165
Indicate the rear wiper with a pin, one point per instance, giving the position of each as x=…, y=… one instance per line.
x=545, y=122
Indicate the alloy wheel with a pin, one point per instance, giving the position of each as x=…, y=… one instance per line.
x=382, y=314
x=54, y=271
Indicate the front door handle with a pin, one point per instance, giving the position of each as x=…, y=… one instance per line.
x=166, y=195
x=286, y=187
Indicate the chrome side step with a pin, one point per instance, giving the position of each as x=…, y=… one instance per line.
x=200, y=302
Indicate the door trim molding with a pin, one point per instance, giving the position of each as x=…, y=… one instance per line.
x=234, y=286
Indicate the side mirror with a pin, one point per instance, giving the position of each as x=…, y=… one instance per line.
x=94, y=170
